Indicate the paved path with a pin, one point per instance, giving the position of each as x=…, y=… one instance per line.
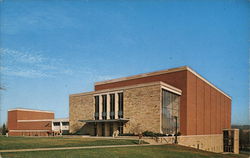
x=70, y=148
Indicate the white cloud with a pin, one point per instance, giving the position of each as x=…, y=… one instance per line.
x=24, y=73
x=30, y=64
x=106, y=77
x=23, y=57
x=34, y=64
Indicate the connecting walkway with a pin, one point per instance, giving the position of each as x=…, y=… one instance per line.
x=71, y=148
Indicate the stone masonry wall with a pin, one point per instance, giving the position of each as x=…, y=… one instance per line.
x=142, y=107
x=213, y=143
x=80, y=108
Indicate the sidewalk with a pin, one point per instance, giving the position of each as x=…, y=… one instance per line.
x=71, y=148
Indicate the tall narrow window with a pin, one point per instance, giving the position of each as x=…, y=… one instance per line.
x=170, y=112
x=112, y=106
x=120, y=105
x=96, y=107
x=104, y=107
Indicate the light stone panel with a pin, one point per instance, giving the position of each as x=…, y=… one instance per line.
x=81, y=108
x=142, y=108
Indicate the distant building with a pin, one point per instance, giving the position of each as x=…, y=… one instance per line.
x=27, y=122
x=153, y=102
x=60, y=125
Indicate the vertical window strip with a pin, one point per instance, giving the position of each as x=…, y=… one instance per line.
x=112, y=106
x=170, y=108
x=104, y=107
x=96, y=107
x=120, y=101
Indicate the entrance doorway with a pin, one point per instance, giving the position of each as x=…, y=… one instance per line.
x=228, y=141
x=111, y=129
x=95, y=129
x=103, y=129
x=120, y=127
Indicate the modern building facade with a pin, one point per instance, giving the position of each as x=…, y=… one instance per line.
x=27, y=122
x=154, y=102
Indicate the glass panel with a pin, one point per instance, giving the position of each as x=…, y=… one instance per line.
x=104, y=107
x=65, y=123
x=96, y=107
x=56, y=123
x=170, y=110
x=112, y=106
x=120, y=101
x=111, y=130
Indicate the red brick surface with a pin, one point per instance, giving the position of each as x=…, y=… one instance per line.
x=200, y=97
x=192, y=104
x=208, y=107
x=14, y=124
x=28, y=134
x=43, y=125
x=213, y=111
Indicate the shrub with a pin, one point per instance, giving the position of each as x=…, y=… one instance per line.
x=152, y=134
x=148, y=133
x=127, y=134
x=159, y=134
x=178, y=134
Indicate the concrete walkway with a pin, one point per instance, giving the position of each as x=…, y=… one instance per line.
x=70, y=148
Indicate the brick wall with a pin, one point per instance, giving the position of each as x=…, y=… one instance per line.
x=41, y=125
x=30, y=118
x=208, y=110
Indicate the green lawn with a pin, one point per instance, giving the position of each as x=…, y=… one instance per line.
x=47, y=142
x=171, y=151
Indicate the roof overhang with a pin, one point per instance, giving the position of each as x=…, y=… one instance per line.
x=102, y=121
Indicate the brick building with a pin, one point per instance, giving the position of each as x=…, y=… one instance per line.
x=152, y=102
x=27, y=122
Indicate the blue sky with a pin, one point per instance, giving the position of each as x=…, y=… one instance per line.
x=50, y=49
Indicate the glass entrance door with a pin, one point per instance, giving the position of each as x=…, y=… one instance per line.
x=103, y=129
x=95, y=129
x=111, y=129
x=228, y=141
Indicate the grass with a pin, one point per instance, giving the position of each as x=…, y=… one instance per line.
x=49, y=142
x=171, y=151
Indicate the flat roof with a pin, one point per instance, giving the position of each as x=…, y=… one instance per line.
x=163, y=84
x=61, y=120
x=182, y=68
x=21, y=109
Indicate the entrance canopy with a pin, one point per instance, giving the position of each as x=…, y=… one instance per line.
x=100, y=121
